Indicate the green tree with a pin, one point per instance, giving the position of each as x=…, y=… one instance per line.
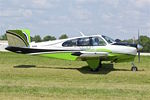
x=36, y=38
x=3, y=37
x=129, y=41
x=145, y=42
x=63, y=36
x=49, y=38
x=31, y=38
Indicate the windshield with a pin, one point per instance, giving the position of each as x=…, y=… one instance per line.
x=108, y=39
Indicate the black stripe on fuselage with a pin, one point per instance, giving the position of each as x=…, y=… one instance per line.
x=33, y=50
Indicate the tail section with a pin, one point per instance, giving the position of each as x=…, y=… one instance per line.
x=18, y=38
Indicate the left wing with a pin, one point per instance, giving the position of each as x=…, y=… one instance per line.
x=93, y=54
x=92, y=58
x=86, y=55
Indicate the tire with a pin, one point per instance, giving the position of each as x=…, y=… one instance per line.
x=134, y=68
x=95, y=70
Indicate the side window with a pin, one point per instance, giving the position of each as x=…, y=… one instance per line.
x=97, y=41
x=88, y=41
x=84, y=42
x=70, y=43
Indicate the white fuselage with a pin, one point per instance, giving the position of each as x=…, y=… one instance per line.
x=58, y=45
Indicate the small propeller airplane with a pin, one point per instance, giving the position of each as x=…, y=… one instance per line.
x=93, y=49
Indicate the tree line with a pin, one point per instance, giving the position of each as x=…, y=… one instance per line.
x=38, y=38
x=144, y=40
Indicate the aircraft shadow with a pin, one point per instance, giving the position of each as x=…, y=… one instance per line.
x=105, y=69
x=25, y=66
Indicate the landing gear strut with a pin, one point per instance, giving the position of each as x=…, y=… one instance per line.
x=134, y=68
x=99, y=66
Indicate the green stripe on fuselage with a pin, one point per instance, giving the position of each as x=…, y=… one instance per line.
x=65, y=56
x=117, y=57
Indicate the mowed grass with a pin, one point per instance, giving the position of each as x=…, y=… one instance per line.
x=25, y=77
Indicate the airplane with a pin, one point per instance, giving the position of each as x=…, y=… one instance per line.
x=93, y=49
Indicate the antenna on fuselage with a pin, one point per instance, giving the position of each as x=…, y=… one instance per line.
x=82, y=33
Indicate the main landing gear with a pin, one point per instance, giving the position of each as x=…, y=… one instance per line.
x=134, y=68
x=98, y=68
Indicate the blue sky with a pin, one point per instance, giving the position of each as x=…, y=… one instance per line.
x=114, y=18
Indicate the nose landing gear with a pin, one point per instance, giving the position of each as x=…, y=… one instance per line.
x=134, y=68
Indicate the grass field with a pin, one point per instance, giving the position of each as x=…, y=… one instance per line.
x=25, y=77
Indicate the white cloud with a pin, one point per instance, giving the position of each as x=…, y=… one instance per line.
x=141, y=3
x=110, y=16
x=27, y=13
x=40, y=3
x=114, y=3
x=9, y=13
x=45, y=3
x=16, y=13
x=5, y=13
x=86, y=1
x=81, y=14
x=107, y=16
x=55, y=20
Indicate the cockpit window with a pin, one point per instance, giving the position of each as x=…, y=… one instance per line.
x=108, y=39
x=84, y=41
x=87, y=41
x=97, y=41
x=70, y=43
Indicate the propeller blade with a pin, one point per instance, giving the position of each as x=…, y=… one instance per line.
x=139, y=56
x=139, y=47
x=138, y=37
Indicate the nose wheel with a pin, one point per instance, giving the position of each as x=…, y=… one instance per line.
x=134, y=68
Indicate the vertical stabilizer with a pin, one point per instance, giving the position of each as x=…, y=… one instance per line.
x=18, y=38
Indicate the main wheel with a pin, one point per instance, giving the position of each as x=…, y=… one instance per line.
x=95, y=70
x=134, y=68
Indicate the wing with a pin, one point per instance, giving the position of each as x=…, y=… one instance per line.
x=92, y=58
x=85, y=55
x=93, y=54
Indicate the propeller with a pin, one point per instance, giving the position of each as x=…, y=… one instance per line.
x=139, y=47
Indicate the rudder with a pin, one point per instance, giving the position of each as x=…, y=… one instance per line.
x=18, y=38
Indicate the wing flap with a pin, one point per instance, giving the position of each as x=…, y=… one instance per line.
x=93, y=54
